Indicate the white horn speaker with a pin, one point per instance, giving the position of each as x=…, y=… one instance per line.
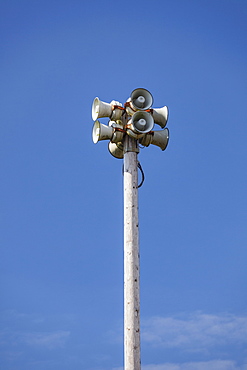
x=158, y=138
x=101, y=132
x=160, y=116
x=101, y=109
x=118, y=131
x=116, y=149
x=141, y=123
x=141, y=99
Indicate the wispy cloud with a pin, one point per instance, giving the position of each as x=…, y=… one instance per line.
x=50, y=340
x=212, y=365
x=218, y=341
x=46, y=340
x=196, y=331
x=203, y=365
x=19, y=329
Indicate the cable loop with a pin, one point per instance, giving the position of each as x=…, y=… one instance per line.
x=143, y=177
x=140, y=168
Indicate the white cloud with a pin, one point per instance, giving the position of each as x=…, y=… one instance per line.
x=24, y=329
x=195, y=332
x=206, y=365
x=47, y=340
x=50, y=340
x=33, y=329
x=202, y=365
x=218, y=341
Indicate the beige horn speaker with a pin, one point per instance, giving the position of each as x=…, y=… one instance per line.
x=116, y=149
x=140, y=99
x=118, y=131
x=101, y=109
x=158, y=138
x=139, y=124
x=160, y=115
x=101, y=132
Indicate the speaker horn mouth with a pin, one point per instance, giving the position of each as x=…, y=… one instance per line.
x=101, y=132
x=96, y=132
x=141, y=122
x=141, y=99
x=95, y=108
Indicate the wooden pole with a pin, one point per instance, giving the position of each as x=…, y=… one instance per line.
x=132, y=356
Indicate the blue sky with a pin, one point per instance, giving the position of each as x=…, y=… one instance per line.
x=62, y=206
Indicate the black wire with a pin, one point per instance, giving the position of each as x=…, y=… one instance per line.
x=140, y=168
x=143, y=177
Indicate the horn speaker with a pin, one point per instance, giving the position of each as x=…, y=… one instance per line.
x=118, y=131
x=141, y=99
x=160, y=116
x=140, y=123
x=158, y=138
x=101, y=132
x=101, y=109
x=104, y=132
x=116, y=149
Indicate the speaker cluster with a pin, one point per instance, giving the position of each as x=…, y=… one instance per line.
x=136, y=119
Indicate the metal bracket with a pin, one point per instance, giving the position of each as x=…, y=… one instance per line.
x=131, y=145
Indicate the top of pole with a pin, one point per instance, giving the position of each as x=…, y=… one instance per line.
x=135, y=118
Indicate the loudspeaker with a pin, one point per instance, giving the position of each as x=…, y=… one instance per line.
x=101, y=109
x=158, y=138
x=101, y=132
x=160, y=115
x=113, y=132
x=139, y=124
x=118, y=131
x=141, y=99
x=116, y=149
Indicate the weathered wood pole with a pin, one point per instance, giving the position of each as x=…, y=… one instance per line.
x=132, y=354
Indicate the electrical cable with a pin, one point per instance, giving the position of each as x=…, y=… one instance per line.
x=140, y=168
x=143, y=177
